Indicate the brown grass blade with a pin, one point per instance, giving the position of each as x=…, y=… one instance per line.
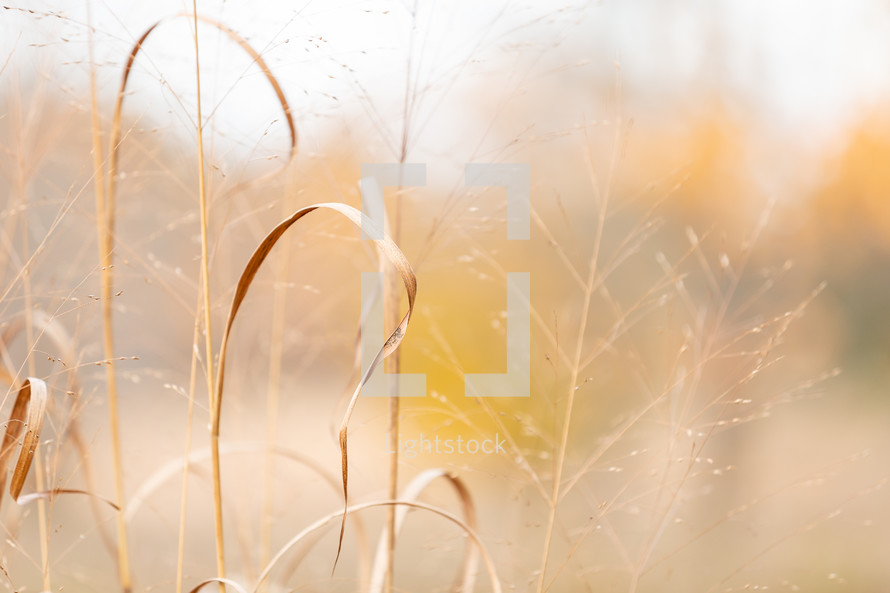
x=118, y=107
x=108, y=217
x=50, y=327
x=27, y=415
x=389, y=249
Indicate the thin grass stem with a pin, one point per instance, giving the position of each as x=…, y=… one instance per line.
x=205, y=285
x=103, y=232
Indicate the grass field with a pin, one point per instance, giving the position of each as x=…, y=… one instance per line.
x=183, y=322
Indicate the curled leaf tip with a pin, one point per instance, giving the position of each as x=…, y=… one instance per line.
x=27, y=415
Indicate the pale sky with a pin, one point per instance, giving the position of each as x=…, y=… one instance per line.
x=804, y=68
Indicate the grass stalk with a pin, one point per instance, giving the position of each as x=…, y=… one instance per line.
x=393, y=318
x=393, y=430
x=183, y=509
x=205, y=284
x=38, y=461
x=103, y=232
x=204, y=293
x=27, y=293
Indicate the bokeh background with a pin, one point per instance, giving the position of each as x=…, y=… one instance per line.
x=725, y=164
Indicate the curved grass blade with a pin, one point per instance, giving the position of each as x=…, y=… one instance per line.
x=221, y=581
x=51, y=328
x=119, y=103
x=50, y=494
x=173, y=468
x=471, y=533
x=27, y=415
x=106, y=218
x=410, y=494
x=391, y=251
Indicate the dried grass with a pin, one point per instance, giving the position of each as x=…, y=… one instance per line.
x=679, y=411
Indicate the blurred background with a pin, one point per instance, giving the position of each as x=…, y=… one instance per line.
x=723, y=164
